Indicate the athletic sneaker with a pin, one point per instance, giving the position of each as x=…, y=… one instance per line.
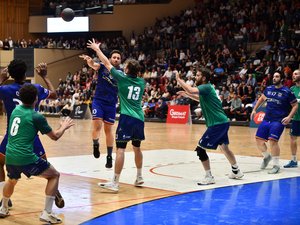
x=237, y=175
x=96, y=151
x=207, y=180
x=274, y=170
x=291, y=164
x=9, y=203
x=108, y=162
x=59, y=200
x=109, y=186
x=4, y=212
x=139, y=181
x=265, y=162
x=50, y=218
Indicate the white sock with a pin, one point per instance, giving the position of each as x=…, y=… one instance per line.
x=208, y=173
x=276, y=160
x=265, y=154
x=5, y=202
x=116, y=178
x=139, y=172
x=294, y=158
x=49, y=203
x=1, y=186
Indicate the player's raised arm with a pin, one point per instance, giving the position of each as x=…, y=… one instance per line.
x=4, y=75
x=91, y=63
x=96, y=47
x=42, y=70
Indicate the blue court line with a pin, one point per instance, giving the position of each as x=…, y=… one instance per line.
x=274, y=202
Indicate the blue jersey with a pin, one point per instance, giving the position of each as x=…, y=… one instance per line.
x=279, y=102
x=106, y=89
x=9, y=94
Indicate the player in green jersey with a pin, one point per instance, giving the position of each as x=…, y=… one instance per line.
x=216, y=121
x=295, y=127
x=24, y=124
x=131, y=121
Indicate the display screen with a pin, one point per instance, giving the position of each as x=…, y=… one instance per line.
x=58, y=25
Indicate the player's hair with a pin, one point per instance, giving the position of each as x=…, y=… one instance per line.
x=205, y=73
x=115, y=51
x=280, y=73
x=17, y=69
x=133, y=67
x=28, y=94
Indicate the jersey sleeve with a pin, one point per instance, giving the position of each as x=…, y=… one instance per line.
x=43, y=93
x=117, y=75
x=204, y=89
x=41, y=123
x=292, y=97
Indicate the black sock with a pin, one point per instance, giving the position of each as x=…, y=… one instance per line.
x=96, y=141
x=235, y=169
x=109, y=151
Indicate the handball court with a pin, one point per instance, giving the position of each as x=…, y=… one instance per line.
x=171, y=171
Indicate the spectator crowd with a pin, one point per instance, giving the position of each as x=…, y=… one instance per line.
x=213, y=34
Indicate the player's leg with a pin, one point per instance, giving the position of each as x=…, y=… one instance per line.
x=294, y=132
x=276, y=130
x=97, y=126
x=39, y=150
x=138, y=159
x=236, y=173
x=8, y=190
x=52, y=176
x=262, y=135
x=108, y=129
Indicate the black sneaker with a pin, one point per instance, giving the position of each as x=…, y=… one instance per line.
x=96, y=151
x=59, y=200
x=108, y=162
x=9, y=203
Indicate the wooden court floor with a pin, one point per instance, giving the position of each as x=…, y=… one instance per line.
x=82, y=196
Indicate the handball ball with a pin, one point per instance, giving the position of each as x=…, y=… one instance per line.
x=67, y=14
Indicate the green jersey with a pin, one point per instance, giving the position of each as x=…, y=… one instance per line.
x=130, y=90
x=211, y=106
x=24, y=125
x=296, y=90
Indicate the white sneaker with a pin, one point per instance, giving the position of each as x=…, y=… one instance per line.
x=109, y=186
x=265, y=162
x=4, y=212
x=274, y=170
x=237, y=175
x=50, y=218
x=139, y=181
x=207, y=180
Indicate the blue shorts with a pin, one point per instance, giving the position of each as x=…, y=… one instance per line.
x=34, y=169
x=130, y=128
x=38, y=148
x=295, y=128
x=214, y=136
x=269, y=130
x=103, y=111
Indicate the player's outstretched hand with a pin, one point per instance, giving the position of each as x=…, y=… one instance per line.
x=252, y=114
x=41, y=69
x=85, y=57
x=4, y=75
x=67, y=123
x=286, y=120
x=92, y=44
x=182, y=93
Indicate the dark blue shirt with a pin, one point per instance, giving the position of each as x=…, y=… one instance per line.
x=279, y=102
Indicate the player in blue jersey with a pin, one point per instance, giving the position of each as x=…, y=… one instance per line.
x=104, y=104
x=9, y=94
x=281, y=107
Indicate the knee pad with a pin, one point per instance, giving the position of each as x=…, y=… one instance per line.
x=121, y=144
x=136, y=143
x=201, y=153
